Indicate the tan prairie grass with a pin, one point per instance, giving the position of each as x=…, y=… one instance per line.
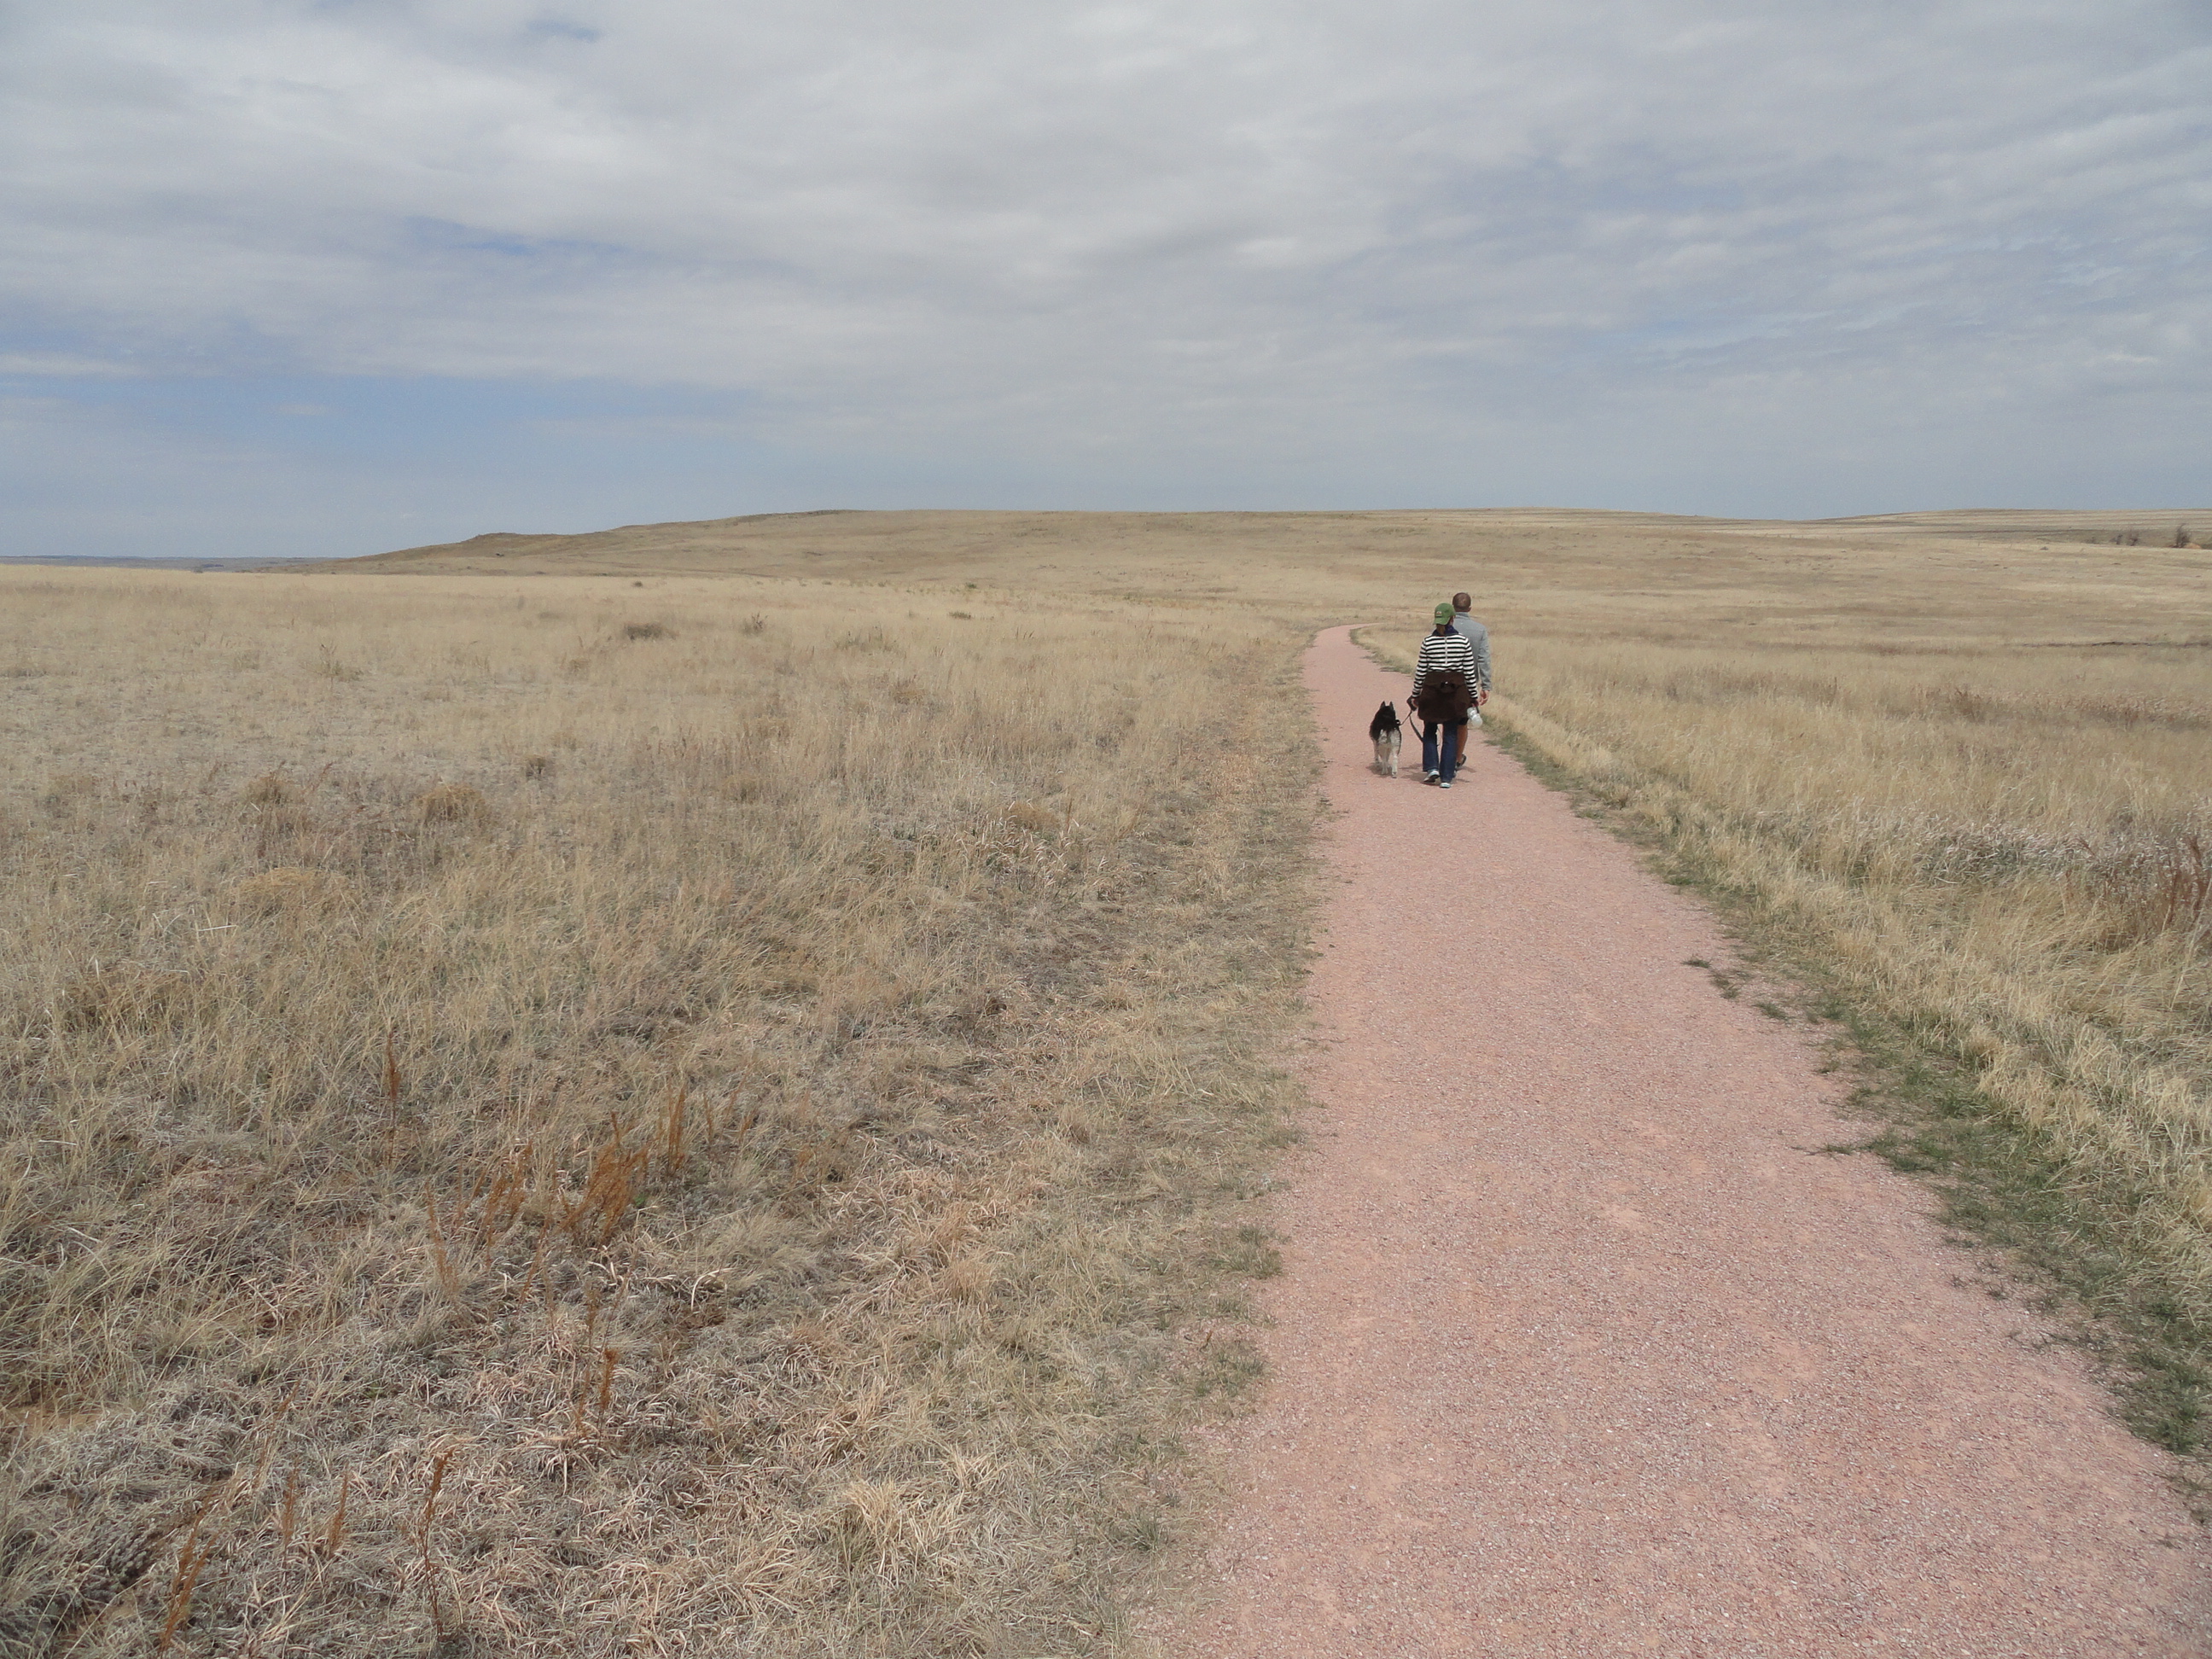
x=611, y=1093
x=2038, y=835
x=550, y=1118
x=1951, y=763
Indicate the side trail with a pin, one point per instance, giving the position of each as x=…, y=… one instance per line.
x=1584, y=1348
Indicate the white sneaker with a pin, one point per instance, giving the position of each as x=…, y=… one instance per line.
x=1428, y=776
x=1444, y=783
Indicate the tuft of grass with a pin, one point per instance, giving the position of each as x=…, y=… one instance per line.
x=454, y=803
x=1227, y=1368
x=1252, y=1254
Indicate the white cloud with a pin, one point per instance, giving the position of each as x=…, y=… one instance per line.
x=1146, y=240
x=63, y=365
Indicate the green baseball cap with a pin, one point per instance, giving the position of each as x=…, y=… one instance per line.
x=1444, y=612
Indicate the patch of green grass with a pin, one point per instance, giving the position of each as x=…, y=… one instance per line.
x=1141, y=1532
x=2068, y=1237
x=1227, y=1368
x=1251, y=1254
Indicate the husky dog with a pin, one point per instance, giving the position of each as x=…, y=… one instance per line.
x=1389, y=738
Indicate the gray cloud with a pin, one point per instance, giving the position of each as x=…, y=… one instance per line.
x=1802, y=257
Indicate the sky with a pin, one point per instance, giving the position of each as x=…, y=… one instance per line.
x=307, y=277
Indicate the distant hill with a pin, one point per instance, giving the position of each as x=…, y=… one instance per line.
x=1091, y=550
x=81, y=560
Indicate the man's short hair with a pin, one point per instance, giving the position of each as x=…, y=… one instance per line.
x=1461, y=601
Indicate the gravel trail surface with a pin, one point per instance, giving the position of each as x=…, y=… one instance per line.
x=1584, y=1346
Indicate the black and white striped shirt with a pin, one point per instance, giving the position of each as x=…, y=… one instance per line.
x=1448, y=650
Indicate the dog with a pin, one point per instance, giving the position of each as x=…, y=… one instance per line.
x=1388, y=736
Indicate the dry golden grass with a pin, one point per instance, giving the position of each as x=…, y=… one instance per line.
x=1953, y=763
x=697, y=1089
x=562, y=1119
x=2015, y=853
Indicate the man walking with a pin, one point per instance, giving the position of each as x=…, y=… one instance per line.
x=1478, y=637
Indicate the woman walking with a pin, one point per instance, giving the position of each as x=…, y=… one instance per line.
x=1443, y=692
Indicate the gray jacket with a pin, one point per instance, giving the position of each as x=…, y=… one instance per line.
x=1478, y=636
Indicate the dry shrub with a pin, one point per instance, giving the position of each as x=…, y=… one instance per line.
x=292, y=890
x=647, y=631
x=454, y=803
x=123, y=995
x=967, y=1279
x=884, y=1533
x=632, y=1225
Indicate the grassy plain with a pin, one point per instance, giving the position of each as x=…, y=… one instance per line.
x=714, y=1117
x=703, y=1087
x=1951, y=767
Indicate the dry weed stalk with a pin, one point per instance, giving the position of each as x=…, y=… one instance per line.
x=390, y=1093
x=289, y=1514
x=448, y=1280
x=504, y=1197
x=606, y=1384
x=672, y=1125
x=611, y=1185
x=192, y=1560
x=334, y=1534
x=437, y=1480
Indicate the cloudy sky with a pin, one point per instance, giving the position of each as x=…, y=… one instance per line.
x=334, y=276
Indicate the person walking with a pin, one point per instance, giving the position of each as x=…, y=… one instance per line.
x=1442, y=695
x=1478, y=637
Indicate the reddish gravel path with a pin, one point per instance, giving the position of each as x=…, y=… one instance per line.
x=1582, y=1350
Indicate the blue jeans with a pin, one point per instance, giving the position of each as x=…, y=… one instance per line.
x=1440, y=746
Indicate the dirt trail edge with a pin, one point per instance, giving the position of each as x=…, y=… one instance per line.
x=1583, y=1347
